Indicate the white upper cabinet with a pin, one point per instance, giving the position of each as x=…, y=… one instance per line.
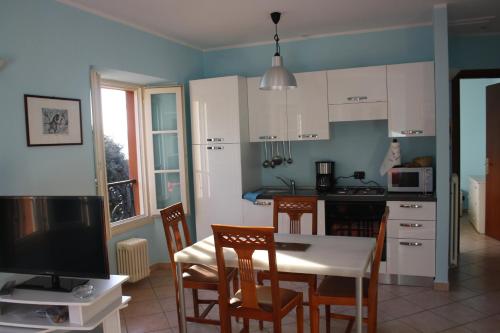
x=267, y=113
x=357, y=94
x=215, y=109
x=357, y=85
x=307, y=107
x=411, y=99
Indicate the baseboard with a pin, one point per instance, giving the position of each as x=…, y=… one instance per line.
x=160, y=266
x=442, y=286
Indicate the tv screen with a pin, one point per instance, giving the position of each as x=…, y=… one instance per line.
x=58, y=236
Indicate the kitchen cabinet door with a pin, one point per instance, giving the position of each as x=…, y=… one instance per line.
x=357, y=85
x=267, y=113
x=214, y=167
x=411, y=99
x=415, y=257
x=307, y=107
x=259, y=213
x=215, y=109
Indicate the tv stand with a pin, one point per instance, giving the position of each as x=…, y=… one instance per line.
x=52, y=283
x=102, y=309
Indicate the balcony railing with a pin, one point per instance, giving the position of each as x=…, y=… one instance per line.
x=121, y=199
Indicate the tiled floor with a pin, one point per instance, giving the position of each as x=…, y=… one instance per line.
x=472, y=305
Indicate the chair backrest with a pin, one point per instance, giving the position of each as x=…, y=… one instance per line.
x=295, y=207
x=245, y=241
x=373, y=287
x=172, y=217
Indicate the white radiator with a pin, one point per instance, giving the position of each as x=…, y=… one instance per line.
x=133, y=258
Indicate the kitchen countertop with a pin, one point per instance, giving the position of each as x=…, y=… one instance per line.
x=270, y=192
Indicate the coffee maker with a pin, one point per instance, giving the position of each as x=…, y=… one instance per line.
x=325, y=175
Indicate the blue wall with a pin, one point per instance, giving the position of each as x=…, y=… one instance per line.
x=50, y=48
x=474, y=52
x=354, y=145
x=472, y=130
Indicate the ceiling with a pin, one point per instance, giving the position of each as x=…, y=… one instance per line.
x=208, y=24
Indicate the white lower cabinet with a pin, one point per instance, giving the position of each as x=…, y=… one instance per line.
x=258, y=213
x=411, y=234
x=477, y=203
x=409, y=256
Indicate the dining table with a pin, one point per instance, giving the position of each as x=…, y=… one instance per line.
x=326, y=255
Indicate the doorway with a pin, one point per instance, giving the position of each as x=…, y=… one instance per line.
x=469, y=145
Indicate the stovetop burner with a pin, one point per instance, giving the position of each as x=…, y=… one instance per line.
x=351, y=190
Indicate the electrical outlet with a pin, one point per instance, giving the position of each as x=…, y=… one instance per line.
x=359, y=175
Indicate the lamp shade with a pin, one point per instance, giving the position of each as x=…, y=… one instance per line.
x=277, y=77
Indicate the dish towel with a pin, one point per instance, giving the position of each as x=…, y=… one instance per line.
x=392, y=158
x=252, y=196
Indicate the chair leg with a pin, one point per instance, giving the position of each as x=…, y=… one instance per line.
x=372, y=318
x=277, y=326
x=236, y=287
x=300, y=317
x=246, y=325
x=328, y=318
x=196, y=304
x=260, y=282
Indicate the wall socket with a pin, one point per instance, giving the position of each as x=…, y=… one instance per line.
x=359, y=175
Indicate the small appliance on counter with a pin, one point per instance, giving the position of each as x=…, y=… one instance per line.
x=325, y=175
x=412, y=179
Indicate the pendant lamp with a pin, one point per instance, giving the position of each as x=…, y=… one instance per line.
x=277, y=77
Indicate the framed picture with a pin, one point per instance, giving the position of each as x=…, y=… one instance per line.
x=53, y=121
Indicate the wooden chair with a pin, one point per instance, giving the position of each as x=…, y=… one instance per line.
x=195, y=277
x=295, y=207
x=336, y=290
x=269, y=303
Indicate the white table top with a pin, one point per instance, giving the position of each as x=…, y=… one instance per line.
x=327, y=255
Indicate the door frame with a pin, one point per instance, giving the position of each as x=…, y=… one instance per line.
x=493, y=73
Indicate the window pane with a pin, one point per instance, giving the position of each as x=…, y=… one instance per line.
x=167, y=189
x=166, y=151
x=164, y=112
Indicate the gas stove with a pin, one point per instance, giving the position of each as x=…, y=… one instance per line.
x=358, y=191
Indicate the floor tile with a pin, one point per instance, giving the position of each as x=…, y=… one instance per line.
x=490, y=324
x=142, y=308
x=427, y=322
x=458, y=313
x=458, y=329
x=429, y=299
x=140, y=295
x=399, y=307
x=149, y=323
x=488, y=303
x=396, y=326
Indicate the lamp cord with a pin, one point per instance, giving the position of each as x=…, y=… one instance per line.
x=277, y=39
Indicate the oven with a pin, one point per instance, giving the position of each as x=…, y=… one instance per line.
x=354, y=218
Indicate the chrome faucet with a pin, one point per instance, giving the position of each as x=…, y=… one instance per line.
x=290, y=184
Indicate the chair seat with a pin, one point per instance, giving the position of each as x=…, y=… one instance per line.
x=203, y=273
x=339, y=286
x=264, y=297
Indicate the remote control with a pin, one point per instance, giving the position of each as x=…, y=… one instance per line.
x=7, y=288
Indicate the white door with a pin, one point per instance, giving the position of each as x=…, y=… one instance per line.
x=267, y=113
x=307, y=107
x=411, y=102
x=357, y=85
x=215, y=110
x=217, y=186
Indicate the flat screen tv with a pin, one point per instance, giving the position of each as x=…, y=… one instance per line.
x=60, y=238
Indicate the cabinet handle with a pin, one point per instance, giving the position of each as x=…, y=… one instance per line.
x=412, y=132
x=411, y=225
x=215, y=148
x=262, y=203
x=410, y=243
x=268, y=137
x=410, y=206
x=306, y=136
x=215, y=139
x=357, y=99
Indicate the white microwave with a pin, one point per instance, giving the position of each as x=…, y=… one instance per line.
x=419, y=180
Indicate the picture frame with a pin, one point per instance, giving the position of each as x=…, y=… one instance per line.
x=53, y=121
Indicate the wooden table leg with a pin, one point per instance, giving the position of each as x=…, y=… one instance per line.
x=359, y=304
x=182, y=302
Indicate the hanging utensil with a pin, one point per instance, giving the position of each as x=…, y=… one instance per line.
x=277, y=158
x=290, y=159
x=272, y=163
x=266, y=163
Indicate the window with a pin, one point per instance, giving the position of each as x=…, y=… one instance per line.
x=140, y=150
